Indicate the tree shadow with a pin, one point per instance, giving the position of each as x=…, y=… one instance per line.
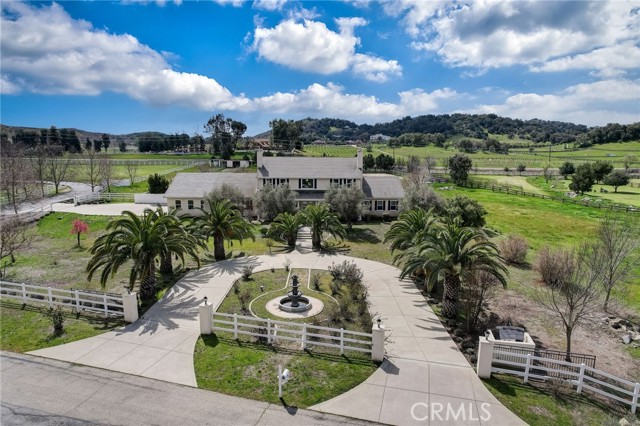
x=359, y=235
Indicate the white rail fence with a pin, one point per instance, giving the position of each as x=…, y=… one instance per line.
x=96, y=197
x=272, y=331
x=527, y=366
x=107, y=304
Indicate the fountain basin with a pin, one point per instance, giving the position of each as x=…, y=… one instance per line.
x=295, y=304
x=273, y=306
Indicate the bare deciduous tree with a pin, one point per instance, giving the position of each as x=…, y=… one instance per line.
x=575, y=292
x=39, y=166
x=15, y=174
x=430, y=163
x=57, y=168
x=617, y=244
x=92, y=169
x=476, y=292
x=14, y=235
x=106, y=170
x=132, y=170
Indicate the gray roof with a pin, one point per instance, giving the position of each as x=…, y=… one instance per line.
x=309, y=167
x=381, y=186
x=196, y=185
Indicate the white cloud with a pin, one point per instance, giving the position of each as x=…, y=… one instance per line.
x=45, y=51
x=7, y=87
x=234, y=3
x=311, y=46
x=492, y=34
x=611, y=60
x=269, y=5
x=301, y=13
x=597, y=103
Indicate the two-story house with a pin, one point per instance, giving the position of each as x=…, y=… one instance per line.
x=308, y=177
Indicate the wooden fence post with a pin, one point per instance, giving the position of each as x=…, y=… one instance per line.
x=77, y=297
x=636, y=395
x=342, y=341
x=269, y=330
x=526, y=368
x=24, y=293
x=580, y=379
x=50, y=297
x=303, y=346
x=235, y=326
x=105, y=308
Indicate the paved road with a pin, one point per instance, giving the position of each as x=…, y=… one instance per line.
x=44, y=203
x=37, y=391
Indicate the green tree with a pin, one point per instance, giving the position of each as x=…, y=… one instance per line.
x=224, y=222
x=285, y=134
x=157, y=184
x=106, y=141
x=347, y=202
x=409, y=226
x=616, y=178
x=459, y=167
x=629, y=161
x=140, y=240
x=285, y=227
x=183, y=227
x=368, y=162
x=583, y=179
x=470, y=212
x=424, y=197
x=451, y=254
x=270, y=201
x=320, y=219
x=600, y=169
x=567, y=169
x=385, y=162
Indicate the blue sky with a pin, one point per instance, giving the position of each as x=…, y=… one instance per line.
x=131, y=66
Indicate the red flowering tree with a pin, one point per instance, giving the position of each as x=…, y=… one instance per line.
x=79, y=227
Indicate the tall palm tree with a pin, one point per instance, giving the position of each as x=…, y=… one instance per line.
x=141, y=240
x=224, y=222
x=408, y=227
x=451, y=254
x=177, y=227
x=321, y=220
x=285, y=227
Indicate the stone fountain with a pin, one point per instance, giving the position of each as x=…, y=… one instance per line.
x=294, y=301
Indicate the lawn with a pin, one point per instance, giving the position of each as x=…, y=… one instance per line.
x=329, y=151
x=24, y=329
x=249, y=369
x=626, y=195
x=537, y=406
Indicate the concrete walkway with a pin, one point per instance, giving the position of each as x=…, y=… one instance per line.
x=424, y=370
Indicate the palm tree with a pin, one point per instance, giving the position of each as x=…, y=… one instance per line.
x=224, y=222
x=285, y=227
x=321, y=220
x=141, y=240
x=177, y=226
x=452, y=253
x=408, y=227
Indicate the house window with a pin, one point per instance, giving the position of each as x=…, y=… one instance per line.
x=393, y=205
x=339, y=183
x=275, y=182
x=307, y=184
x=189, y=204
x=367, y=205
x=178, y=204
x=202, y=204
x=379, y=205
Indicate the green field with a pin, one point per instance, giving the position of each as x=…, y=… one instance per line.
x=613, y=152
x=329, y=151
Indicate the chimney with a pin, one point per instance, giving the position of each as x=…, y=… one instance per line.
x=359, y=162
x=259, y=158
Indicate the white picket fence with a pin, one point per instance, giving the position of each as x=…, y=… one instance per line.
x=105, y=303
x=302, y=333
x=579, y=375
x=94, y=197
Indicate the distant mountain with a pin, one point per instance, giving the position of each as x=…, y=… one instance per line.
x=129, y=138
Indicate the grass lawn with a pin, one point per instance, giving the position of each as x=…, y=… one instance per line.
x=537, y=406
x=329, y=151
x=626, y=195
x=517, y=182
x=249, y=370
x=29, y=328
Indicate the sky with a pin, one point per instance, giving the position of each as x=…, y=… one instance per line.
x=128, y=66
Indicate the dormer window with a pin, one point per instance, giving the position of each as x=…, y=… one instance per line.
x=308, y=184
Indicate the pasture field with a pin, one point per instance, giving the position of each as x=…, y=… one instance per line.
x=329, y=150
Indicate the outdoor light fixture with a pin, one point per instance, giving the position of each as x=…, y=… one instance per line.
x=205, y=300
x=379, y=321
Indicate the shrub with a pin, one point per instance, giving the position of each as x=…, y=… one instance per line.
x=315, y=281
x=57, y=320
x=247, y=271
x=244, y=297
x=514, y=249
x=347, y=272
x=158, y=184
x=470, y=212
x=554, y=267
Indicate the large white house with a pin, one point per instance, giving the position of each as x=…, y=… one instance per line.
x=308, y=177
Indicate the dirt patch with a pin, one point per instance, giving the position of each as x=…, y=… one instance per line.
x=593, y=337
